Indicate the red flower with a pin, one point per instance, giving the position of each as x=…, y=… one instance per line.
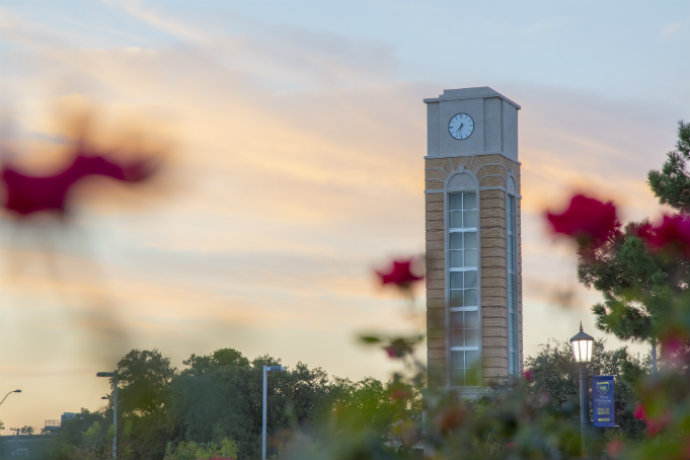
x=399, y=274
x=654, y=424
x=588, y=220
x=28, y=194
x=640, y=412
x=450, y=419
x=400, y=394
x=528, y=375
x=614, y=447
x=675, y=345
x=398, y=348
x=673, y=232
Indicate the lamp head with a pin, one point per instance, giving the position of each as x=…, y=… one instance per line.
x=582, y=346
x=106, y=374
x=274, y=368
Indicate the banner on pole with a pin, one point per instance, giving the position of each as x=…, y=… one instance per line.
x=603, y=410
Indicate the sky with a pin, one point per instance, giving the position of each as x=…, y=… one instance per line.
x=294, y=136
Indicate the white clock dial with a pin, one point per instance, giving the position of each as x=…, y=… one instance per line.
x=461, y=126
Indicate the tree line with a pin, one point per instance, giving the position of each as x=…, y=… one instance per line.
x=212, y=407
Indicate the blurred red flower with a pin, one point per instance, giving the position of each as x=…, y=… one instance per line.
x=640, y=412
x=586, y=219
x=675, y=345
x=400, y=394
x=450, y=419
x=673, y=232
x=614, y=447
x=398, y=348
x=399, y=274
x=528, y=375
x=654, y=424
x=28, y=194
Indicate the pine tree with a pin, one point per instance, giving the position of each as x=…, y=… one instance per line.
x=640, y=286
x=672, y=184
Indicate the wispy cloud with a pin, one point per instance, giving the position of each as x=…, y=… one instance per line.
x=670, y=30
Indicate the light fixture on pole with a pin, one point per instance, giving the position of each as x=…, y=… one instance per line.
x=582, y=350
x=112, y=375
x=267, y=369
x=9, y=393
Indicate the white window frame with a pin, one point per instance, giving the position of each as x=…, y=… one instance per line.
x=462, y=182
x=512, y=274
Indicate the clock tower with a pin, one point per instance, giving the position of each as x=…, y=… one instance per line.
x=473, y=255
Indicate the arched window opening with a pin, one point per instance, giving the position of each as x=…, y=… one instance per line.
x=512, y=259
x=463, y=291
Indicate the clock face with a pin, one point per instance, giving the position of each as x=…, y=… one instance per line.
x=461, y=126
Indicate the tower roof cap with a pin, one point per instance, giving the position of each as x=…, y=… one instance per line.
x=479, y=92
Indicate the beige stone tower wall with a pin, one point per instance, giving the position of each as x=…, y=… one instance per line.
x=493, y=172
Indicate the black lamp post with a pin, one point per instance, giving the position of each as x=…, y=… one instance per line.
x=9, y=393
x=264, y=403
x=112, y=375
x=582, y=349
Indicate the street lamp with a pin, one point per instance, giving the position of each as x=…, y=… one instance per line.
x=582, y=349
x=9, y=393
x=267, y=369
x=112, y=375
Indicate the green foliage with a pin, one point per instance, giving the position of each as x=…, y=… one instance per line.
x=636, y=285
x=672, y=184
x=145, y=436
x=211, y=408
x=191, y=450
x=82, y=437
x=505, y=421
x=214, y=398
x=219, y=396
x=144, y=377
x=368, y=419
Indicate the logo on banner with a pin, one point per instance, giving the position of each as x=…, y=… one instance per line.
x=603, y=387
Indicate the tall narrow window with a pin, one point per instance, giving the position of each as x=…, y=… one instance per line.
x=512, y=265
x=463, y=288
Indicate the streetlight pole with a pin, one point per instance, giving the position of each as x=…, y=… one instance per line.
x=113, y=375
x=582, y=350
x=9, y=393
x=267, y=369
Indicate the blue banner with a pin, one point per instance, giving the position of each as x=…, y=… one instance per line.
x=603, y=410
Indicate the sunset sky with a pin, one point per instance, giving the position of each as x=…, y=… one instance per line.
x=294, y=135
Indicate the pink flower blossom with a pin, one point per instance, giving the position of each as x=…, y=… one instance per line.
x=654, y=424
x=614, y=447
x=398, y=348
x=586, y=219
x=673, y=232
x=399, y=274
x=400, y=394
x=640, y=412
x=528, y=375
x=28, y=194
